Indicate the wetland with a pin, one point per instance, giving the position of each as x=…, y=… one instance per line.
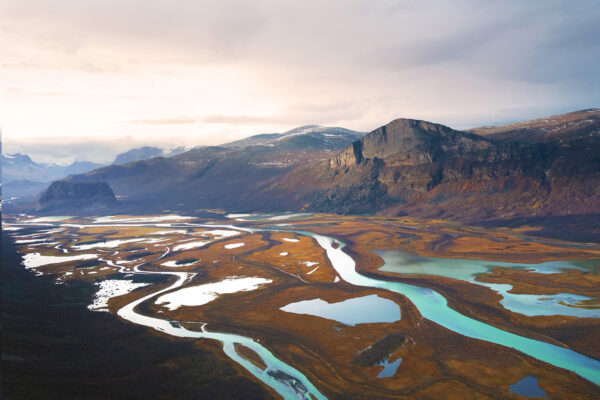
x=324, y=306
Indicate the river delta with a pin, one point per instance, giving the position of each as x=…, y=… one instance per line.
x=323, y=306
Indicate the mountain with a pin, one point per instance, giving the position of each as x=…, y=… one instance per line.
x=81, y=196
x=21, y=167
x=23, y=178
x=79, y=167
x=140, y=153
x=405, y=167
x=219, y=176
x=563, y=128
x=308, y=137
x=420, y=168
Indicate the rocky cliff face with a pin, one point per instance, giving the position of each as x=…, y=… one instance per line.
x=76, y=195
x=417, y=167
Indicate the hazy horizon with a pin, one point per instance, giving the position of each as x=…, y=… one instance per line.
x=88, y=80
x=66, y=150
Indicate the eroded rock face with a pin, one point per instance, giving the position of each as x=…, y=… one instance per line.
x=421, y=168
x=409, y=142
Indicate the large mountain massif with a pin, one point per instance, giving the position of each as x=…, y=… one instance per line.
x=544, y=167
x=419, y=168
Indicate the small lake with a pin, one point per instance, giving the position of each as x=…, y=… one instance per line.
x=389, y=368
x=528, y=387
x=358, y=310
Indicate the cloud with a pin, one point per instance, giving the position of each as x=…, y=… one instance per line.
x=239, y=119
x=295, y=114
x=166, y=121
x=206, y=70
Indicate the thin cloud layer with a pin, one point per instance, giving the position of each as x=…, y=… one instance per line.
x=200, y=72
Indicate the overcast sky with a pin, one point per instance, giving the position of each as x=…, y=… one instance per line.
x=87, y=79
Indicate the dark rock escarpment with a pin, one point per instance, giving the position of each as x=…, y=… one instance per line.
x=65, y=195
x=421, y=168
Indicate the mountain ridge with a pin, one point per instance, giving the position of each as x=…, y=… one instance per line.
x=404, y=167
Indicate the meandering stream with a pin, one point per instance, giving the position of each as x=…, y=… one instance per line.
x=434, y=307
x=283, y=378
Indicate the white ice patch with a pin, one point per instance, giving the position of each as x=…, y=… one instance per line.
x=309, y=263
x=112, y=288
x=34, y=260
x=316, y=268
x=238, y=215
x=158, y=218
x=202, y=294
x=156, y=240
x=32, y=240
x=291, y=240
x=285, y=253
x=337, y=279
x=111, y=244
x=286, y=216
x=11, y=228
x=170, y=232
x=189, y=245
x=43, y=244
x=173, y=264
x=55, y=218
x=234, y=245
x=221, y=233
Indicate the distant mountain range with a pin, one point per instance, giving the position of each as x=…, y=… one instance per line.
x=549, y=166
x=145, y=152
x=23, y=178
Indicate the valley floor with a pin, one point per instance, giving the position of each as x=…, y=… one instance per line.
x=314, y=306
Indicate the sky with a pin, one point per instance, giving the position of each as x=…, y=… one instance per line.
x=85, y=80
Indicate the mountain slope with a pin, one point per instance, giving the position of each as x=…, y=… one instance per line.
x=565, y=127
x=421, y=168
x=219, y=176
x=140, y=153
x=306, y=137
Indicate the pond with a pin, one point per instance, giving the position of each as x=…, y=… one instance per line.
x=358, y=310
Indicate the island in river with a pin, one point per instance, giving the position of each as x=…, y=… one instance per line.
x=461, y=312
